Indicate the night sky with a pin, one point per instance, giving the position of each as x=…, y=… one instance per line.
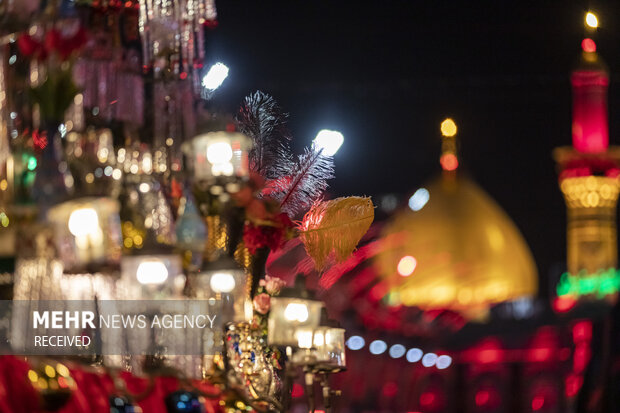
x=385, y=73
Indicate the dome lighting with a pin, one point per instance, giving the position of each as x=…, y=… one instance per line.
x=407, y=265
x=443, y=362
x=329, y=141
x=419, y=199
x=397, y=351
x=356, y=343
x=449, y=162
x=429, y=359
x=377, y=347
x=591, y=20
x=414, y=355
x=448, y=128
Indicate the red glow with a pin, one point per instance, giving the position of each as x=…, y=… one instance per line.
x=482, y=397
x=588, y=45
x=390, y=389
x=581, y=358
x=298, y=390
x=539, y=354
x=538, y=402
x=582, y=331
x=449, y=162
x=489, y=356
x=564, y=304
x=183, y=75
x=378, y=292
x=427, y=399
x=590, y=125
x=573, y=384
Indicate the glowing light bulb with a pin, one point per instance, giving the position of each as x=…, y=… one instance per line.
x=83, y=222
x=215, y=76
x=222, y=282
x=448, y=128
x=219, y=152
x=319, y=339
x=419, y=199
x=152, y=272
x=296, y=312
x=591, y=20
x=328, y=140
x=406, y=265
x=304, y=338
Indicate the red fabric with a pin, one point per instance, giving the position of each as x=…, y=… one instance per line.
x=93, y=390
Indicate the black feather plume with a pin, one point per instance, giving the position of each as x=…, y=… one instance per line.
x=262, y=119
x=307, y=182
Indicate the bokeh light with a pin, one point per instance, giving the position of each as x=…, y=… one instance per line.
x=356, y=343
x=448, y=128
x=397, y=351
x=378, y=347
x=414, y=355
x=591, y=20
x=588, y=45
x=419, y=199
x=407, y=265
x=329, y=141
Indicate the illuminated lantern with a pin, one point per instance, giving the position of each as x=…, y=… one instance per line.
x=294, y=316
x=223, y=279
x=221, y=154
x=590, y=81
x=153, y=273
x=87, y=234
x=328, y=344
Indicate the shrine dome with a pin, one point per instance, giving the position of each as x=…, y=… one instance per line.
x=458, y=251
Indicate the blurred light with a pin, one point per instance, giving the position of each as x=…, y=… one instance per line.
x=298, y=390
x=224, y=282
x=419, y=199
x=582, y=331
x=216, y=75
x=390, y=389
x=83, y=222
x=573, y=384
x=32, y=163
x=588, y=45
x=293, y=312
x=328, y=140
x=414, y=355
x=448, y=128
x=443, y=362
x=406, y=265
x=449, y=161
x=377, y=347
x=356, y=343
x=591, y=20
x=219, y=152
x=152, y=272
x=482, y=397
x=427, y=399
x=538, y=402
x=144, y=187
x=304, y=339
x=397, y=351
x=429, y=359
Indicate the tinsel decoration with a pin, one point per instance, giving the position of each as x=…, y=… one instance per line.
x=305, y=185
x=335, y=226
x=262, y=119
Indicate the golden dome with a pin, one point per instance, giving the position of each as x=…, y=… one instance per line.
x=467, y=253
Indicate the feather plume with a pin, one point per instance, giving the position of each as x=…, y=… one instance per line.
x=336, y=227
x=305, y=185
x=262, y=119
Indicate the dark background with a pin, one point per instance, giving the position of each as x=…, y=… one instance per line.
x=385, y=73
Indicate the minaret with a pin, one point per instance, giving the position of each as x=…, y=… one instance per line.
x=589, y=172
